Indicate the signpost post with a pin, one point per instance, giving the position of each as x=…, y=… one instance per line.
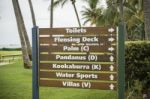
x=35, y=63
x=84, y=58
x=121, y=62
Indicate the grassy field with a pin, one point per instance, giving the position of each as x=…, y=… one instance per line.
x=16, y=83
x=9, y=52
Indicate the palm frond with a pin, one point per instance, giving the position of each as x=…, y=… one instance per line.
x=60, y=3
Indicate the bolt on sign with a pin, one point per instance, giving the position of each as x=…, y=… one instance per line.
x=78, y=57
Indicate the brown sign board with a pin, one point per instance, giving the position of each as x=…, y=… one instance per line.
x=89, y=58
x=68, y=48
x=78, y=84
x=78, y=31
x=78, y=66
x=107, y=48
x=78, y=75
x=62, y=40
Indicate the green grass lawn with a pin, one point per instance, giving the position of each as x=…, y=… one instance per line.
x=9, y=52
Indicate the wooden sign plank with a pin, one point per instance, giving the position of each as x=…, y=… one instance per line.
x=77, y=40
x=78, y=84
x=108, y=48
x=78, y=31
x=78, y=75
x=77, y=57
x=79, y=66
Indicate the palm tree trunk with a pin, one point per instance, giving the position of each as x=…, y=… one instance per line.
x=121, y=12
x=32, y=12
x=25, y=33
x=75, y=9
x=18, y=15
x=122, y=18
x=51, y=13
x=147, y=18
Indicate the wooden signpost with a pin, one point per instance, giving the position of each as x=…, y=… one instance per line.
x=84, y=58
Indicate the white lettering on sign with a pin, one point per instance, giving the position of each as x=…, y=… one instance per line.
x=86, y=85
x=111, y=49
x=111, y=68
x=70, y=84
x=70, y=57
x=85, y=48
x=111, y=86
x=89, y=39
x=111, y=58
x=111, y=77
x=66, y=39
x=64, y=75
x=92, y=57
x=96, y=67
x=75, y=30
x=111, y=39
x=70, y=66
x=76, y=75
x=70, y=48
x=111, y=30
x=86, y=76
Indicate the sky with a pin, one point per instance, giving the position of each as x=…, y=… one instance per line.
x=63, y=17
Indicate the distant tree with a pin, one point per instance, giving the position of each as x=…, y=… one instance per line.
x=26, y=48
x=63, y=2
x=91, y=12
x=111, y=13
x=134, y=19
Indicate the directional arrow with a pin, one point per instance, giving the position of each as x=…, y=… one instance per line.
x=111, y=30
x=111, y=58
x=111, y=77
x=111, y=49
x=111, y=68
x=111, y=86
x=111, y=39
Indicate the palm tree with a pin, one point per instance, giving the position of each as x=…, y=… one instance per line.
x=63, y=2
x=51, y=13
x=25, y=33
x=131, y=15
x=134, y=18
x=147, y=18
x=92, y=13
x=32, y=13
x=111, y=14
x=21, y=32
x=121, y=11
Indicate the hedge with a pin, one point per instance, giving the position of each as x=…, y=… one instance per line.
x=10, y=49
x=137, y=57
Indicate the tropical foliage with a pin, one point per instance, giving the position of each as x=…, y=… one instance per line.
x=92, y=12
x=134, y=19
x=133, y=16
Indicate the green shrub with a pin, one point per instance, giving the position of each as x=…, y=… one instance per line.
x=137, y=59
x=10, y=49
